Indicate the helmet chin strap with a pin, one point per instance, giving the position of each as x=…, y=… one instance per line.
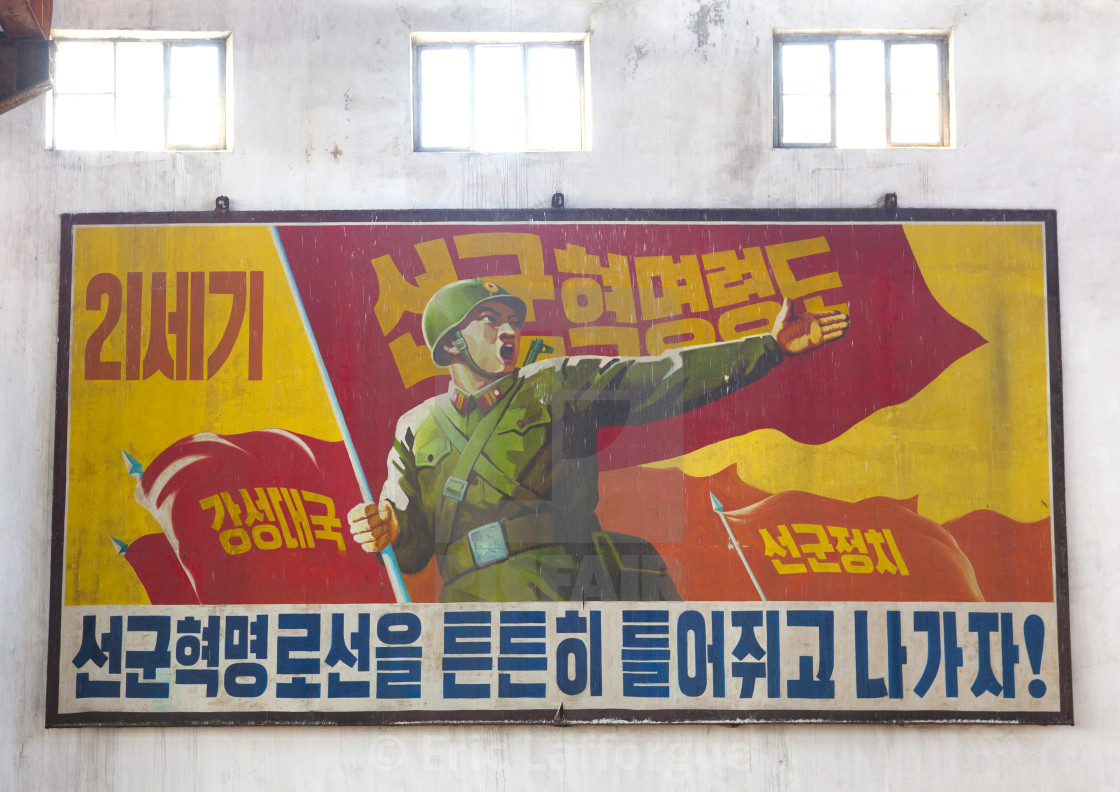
x=460, y=345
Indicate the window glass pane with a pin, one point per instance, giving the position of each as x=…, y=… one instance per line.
x=805, y=69
x=84, y=67
x=140, y=70
x=862, y=94
x=139, y=111
x=83, y=122
x=861, y=119
x=859, y=66
x=806, y=119
x=193, y=110
x=192, y=121
x=499, y=88
x=507, y=96
x=915, y=118
x=132, y=78
x=445, y=95
x=195, y=71
x=915, y=68
x=554, y=98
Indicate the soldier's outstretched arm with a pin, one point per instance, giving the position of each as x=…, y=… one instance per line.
x=637, y=390
x=800, y=333
x=625, y=390
x=374, y=526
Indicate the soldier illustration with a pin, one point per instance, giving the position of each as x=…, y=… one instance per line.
x=498, y=478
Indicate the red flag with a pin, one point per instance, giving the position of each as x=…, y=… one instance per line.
x=161, y=574
x=803, y=546
x=261, y=518
x=899, y=341
x=1012, y=559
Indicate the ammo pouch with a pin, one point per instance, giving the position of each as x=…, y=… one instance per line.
x=634, y=567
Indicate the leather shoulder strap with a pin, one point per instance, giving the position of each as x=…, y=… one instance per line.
x=455, y=488
x=452, y=432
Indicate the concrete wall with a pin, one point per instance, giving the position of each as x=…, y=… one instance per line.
x=682, y=118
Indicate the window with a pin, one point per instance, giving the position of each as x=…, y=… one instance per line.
x=153, y=93
x=861, y=91
x=499, y=93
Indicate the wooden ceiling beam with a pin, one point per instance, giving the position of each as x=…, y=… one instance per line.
x=26, y=18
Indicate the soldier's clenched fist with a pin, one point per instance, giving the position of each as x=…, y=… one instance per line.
x=374, y=525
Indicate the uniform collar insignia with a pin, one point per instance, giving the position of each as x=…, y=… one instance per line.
x=485, y=398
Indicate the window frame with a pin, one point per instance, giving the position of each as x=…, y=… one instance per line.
x=472, y=41
x=221, y=41
x=830, y=38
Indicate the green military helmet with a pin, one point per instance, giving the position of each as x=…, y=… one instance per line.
x=450, y=305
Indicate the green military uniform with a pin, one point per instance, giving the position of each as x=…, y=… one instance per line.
x=519, y=522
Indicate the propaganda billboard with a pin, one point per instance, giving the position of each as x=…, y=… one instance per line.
x=558, y=466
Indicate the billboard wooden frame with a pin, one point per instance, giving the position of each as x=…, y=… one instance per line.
x=1045, y=219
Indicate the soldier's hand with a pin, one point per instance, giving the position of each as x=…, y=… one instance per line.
x=374, y=526
x=798, y=333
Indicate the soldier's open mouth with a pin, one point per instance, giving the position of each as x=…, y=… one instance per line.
x=507, y=352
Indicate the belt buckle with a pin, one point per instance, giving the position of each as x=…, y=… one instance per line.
x=488, y=544
x=455, y=489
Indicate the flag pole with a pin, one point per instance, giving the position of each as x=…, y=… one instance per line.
x=717, y=507
x=387, y=556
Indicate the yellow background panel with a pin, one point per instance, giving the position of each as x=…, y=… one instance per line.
x=977, y=437
x=143, y=417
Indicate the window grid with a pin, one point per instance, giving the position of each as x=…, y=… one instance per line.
x=218, y=44
x=471, y=47
x=889, y=40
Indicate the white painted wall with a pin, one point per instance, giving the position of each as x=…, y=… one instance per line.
x=682, y=118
